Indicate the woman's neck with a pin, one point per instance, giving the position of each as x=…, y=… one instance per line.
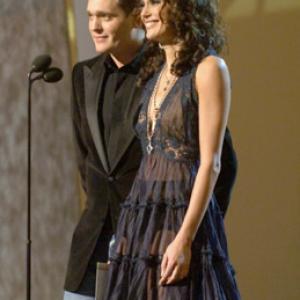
x=170, y=54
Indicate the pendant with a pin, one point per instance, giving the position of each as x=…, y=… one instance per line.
x=149, y=148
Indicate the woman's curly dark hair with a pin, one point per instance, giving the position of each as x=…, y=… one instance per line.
x=197, y=25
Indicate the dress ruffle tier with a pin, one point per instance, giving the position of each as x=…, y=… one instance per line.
x=150, y=218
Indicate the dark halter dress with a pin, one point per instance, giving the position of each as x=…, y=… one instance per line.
x=155, y=208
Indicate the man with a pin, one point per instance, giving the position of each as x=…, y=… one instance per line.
x=104, y=105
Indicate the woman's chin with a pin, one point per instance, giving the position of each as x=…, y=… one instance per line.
x=152, y=37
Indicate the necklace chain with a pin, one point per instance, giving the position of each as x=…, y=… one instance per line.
x=154, y=106
x=166, y=88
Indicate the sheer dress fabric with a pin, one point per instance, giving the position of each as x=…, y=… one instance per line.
x=154, y=210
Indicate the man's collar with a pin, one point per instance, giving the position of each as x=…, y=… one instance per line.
x=132, y=67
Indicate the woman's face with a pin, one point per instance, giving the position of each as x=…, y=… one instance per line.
x=154, y=15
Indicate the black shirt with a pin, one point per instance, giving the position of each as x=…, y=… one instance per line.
x=112, y=86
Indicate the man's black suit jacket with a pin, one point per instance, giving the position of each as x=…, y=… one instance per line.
x=107, y=188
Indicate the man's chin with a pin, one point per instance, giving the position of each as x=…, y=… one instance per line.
x=102, y=48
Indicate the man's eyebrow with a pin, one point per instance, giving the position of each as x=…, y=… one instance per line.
x=99, y=13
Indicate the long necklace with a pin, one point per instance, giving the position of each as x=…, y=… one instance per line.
x=154, y=106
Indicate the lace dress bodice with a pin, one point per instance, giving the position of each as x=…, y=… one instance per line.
x=175, y=133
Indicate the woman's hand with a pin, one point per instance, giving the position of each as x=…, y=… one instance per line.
x=176, y=261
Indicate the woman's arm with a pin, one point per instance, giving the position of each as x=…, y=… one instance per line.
x=213, y=87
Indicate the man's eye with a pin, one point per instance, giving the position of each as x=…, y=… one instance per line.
x=107, y=17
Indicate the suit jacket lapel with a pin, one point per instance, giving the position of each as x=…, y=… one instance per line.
x=122, y=130
x=93, y=78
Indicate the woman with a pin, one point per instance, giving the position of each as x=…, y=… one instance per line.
x=170, y=241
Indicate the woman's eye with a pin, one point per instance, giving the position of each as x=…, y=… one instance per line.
x=141, y=4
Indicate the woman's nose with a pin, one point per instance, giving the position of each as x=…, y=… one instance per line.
x=145, y=12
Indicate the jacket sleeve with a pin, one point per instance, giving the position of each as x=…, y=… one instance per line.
x=227, y=176
x=81, y=150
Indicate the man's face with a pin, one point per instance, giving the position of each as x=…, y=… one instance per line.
x=109, y=26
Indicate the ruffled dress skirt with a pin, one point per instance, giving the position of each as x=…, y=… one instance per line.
x=150, y=218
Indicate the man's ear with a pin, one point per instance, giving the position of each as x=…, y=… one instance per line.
x=138, y=31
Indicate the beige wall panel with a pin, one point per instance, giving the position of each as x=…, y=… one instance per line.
x=30, y=28
x=263, y=222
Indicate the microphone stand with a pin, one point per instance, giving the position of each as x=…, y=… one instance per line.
x=40, y=65
x=29, y=242
x=28, y=254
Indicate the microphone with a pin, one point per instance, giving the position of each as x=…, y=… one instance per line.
x=41, y=63
x=53, y=75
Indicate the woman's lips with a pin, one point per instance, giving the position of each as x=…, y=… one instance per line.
x=149, y=24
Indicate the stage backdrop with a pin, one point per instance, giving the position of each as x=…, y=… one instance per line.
x=30, y=28
x=263, y=223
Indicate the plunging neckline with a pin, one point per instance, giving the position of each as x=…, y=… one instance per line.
x=160, y=111
x=164, y=101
